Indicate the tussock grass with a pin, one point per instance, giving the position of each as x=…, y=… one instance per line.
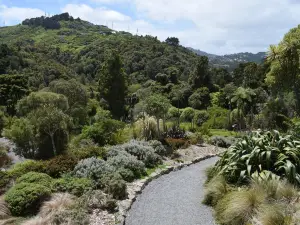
x=38, y=221
x=215, y=190
x=4, y=210
x=58, y=202
x=272, y=214
x=238, y=207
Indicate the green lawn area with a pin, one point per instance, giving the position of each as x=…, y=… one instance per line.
x=223, y=132
x=152, y=170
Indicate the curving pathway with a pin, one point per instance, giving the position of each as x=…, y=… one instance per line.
x=174, y=199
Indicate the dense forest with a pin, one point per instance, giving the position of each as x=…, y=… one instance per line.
x=73, y=95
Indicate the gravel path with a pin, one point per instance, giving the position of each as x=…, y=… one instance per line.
x=174, y=199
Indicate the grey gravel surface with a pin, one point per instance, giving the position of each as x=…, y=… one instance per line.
x=174, y=199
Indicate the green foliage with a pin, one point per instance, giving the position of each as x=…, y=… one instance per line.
x=115, y=186
x=12, y=89
x=92, y=168
x=26, y=198
x=143, y=151
x=200, y=99
x=172, y=41
x=59, y=165
x=237, y=208
x=89, y=151
x=113, y=84
x=4, y=181
x=36, y=178
x=22, y=134
x=187, y=115
x=77, y=98
x=257, y=152
x=223, y=142
x=201, y=117
x=39, y=99
x=2, y=122
x=72, y=185
x=176, y=144
x=215, y=189
x=119, y=159
x=53, y=125
x=201, y=76
x=103, y=132
x=25, y=167
x=218, y=118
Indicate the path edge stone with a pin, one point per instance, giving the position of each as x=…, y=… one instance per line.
x=124, y=209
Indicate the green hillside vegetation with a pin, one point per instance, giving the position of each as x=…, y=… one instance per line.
x=92, y=108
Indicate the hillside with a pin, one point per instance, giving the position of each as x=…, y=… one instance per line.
x=78, y=48
x=231, y=61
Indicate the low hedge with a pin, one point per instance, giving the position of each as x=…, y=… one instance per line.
x=25, y=199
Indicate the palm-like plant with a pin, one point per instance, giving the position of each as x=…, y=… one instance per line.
x=260, y=152
x=242, y=97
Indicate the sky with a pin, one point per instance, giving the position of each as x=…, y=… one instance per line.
x=215, y=26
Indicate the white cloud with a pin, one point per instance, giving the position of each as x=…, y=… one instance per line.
x=11, y=15
x=99, y=15
x=216, y=26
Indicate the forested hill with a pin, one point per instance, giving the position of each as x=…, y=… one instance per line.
x=231, y=61
x=63, y=46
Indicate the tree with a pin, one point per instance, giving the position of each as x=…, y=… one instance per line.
x=242, y=97
x=113, y=85
x=284, y=69
x=73, y=90
x=51, y=121
x=162, y=78
x=221, y=76
x=22, y=133
x=200, y=77
x=188, y=115
x=157, y=106
x=200, y=99
x=39, y=99
x=77, y=98
x=172, y=41
x=12, y=89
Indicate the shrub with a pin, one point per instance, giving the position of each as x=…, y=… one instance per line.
x=4, y=181
x=201, y=117
x=114, y=185
x=60, y=164
x=92, y=168
x=26, y=198
x=128, y=161
x=103, y=131
x=142, y=151
x=36, y=178
x=158, y=148
x=175, y=133
x=261, y=152
x=72, y=185
x=196, y=138
x=58, y=202
x=218, y=118
x=126, y=174
x=89, y=152
x=4, y=158
x=25, y=167
x=215, y=190
x=146, y=128
x=237, y=207
x=177, y=143
x=222, y=142
x=98, y=200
